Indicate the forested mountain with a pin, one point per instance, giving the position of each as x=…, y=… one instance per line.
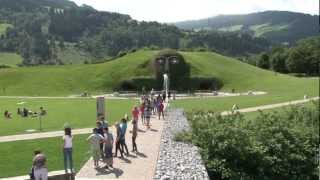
x=55, y=31
x=276, y=26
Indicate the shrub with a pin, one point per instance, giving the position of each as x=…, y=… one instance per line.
x=271, y=146
x=2, y=66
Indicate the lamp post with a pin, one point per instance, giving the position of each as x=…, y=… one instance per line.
x=167, y=60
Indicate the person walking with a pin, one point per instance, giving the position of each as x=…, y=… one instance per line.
x=142, y=107
x=118, y=147
x=135, y=114
x=100, y=131
x=160, y=109
x=67, y=150
x=108, y=145
x=123, y=129
x=148, y=115
x=134, y=135
x=95, y=139
x=40, y=170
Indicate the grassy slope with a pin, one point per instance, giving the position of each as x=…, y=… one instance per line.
x=10, y=59
x=72, y=79
x=79, y=113
x=3, y=28
x=231, y=28
x=16, y=157
x=244, y=77
x=71, y=56
x=97, y=78
x=262, y=29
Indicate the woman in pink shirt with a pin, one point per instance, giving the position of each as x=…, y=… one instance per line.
x=135, y=113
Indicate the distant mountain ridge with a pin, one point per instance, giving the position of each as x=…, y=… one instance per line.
x=54, y=32
x=32, y=4
x=276, y=26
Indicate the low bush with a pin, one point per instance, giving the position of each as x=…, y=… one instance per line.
x=275, y=146
x=2, y=66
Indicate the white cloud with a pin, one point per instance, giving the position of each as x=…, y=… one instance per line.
x=178, y=10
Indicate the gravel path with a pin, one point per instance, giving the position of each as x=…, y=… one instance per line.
x=178, y=160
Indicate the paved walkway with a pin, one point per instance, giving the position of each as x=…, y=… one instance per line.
x=51, y=173
x=271, y=106
x=42, y=135
x=135, y=166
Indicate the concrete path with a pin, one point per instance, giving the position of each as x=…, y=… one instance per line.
x=135, y=166
x=42, y=135
x=27, y=177
x=271, y=106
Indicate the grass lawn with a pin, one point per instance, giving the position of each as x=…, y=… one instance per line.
x=79, y=113
x=10, y=59
x=16, y=157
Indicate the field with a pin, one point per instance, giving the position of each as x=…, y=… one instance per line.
x=231, y=28
x=10, y=59
x=79, y=113
x=16, y=157
x=3, y=28
x=262, y=29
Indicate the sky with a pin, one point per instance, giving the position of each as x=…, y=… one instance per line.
x=180, y=10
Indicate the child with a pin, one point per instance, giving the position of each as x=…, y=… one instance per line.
x=67, y=150
x=108, y=145
x=118, y=147
x=134, y=135
x=95, y=139
x=142, y=107
x=161, y=109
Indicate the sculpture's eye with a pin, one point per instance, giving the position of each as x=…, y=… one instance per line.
x=160, y=60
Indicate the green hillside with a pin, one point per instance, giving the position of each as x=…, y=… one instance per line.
x=72, y=79
x=98, y=78
x=244, y=77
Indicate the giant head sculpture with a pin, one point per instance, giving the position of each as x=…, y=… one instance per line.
x=173, y=64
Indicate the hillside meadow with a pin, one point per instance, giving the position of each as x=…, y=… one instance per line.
x=100, y=78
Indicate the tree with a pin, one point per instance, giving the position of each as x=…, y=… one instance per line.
x=278, y=62
x=296, y=61
x=263, y=61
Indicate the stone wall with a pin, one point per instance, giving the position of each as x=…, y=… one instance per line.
x=178, y=160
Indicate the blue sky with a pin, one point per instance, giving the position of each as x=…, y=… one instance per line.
x=179, y=10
